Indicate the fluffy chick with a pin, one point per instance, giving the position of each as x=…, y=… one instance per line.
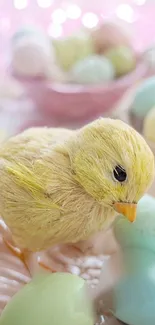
x=62, y=186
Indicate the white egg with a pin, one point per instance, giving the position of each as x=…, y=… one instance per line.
x=32, y=53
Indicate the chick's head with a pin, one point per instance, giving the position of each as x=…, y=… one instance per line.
x=114, y=164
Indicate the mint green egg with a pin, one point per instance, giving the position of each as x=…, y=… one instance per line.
x=50, y=299
x=144, y=98
x=141, y=233
x=92, y=70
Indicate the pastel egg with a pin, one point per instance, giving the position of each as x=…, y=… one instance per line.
x=149, y=57
x=149, y=125
x=134, y=299
x=92, y=70
x=31, y=52
x=26, y=30
x=31, y=33
x=141, y=234
x=109, y=35
x=134, y=294
x=144, y=98
x=50, y=299
x=72, y=49
x=122, y=58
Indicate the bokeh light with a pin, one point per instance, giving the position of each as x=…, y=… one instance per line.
x=125, y=12
x=44, y=3
x=59, y=16
x=20, y=4
x=140, y=2
x=55, y=30
x=73, y=12
x=90, y=20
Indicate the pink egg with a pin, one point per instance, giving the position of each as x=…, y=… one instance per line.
x=110, y=35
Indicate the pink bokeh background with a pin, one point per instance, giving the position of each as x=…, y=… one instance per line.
x=139, y=18
x=70, y=105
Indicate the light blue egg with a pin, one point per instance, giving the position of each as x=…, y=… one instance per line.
x=92, y=70
x=145, y=98
x=134, y=300
x=142, y=232
x=134, y=294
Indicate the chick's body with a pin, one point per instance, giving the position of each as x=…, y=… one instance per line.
x=58, y=186
x=40, y=201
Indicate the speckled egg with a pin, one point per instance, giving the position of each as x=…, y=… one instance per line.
x=122, y=58
x=50, y=299
x=144, y=98
x=72, y=49
x=92, y=70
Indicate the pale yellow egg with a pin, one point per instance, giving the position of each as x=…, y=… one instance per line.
x=149, y=125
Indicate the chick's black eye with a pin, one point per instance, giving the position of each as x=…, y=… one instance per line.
x=120, y=174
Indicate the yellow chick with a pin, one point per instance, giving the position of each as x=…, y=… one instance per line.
x=62, y=186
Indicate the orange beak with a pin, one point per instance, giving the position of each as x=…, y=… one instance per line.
x=127, y=209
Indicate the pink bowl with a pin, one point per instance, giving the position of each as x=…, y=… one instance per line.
x=77, y=104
